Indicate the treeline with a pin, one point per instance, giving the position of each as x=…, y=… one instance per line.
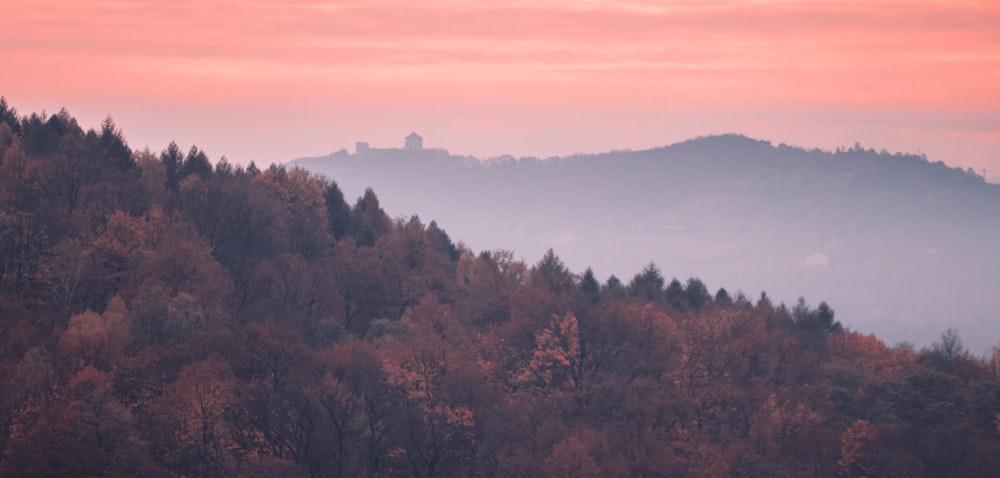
x=161, y=316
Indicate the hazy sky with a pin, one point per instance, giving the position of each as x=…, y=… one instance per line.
x=273, y=80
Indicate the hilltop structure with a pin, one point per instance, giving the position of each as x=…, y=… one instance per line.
x=414, y=142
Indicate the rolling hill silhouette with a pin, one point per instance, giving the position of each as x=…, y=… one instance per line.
x=900, y=246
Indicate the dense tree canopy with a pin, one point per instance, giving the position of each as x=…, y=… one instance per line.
x=163, y=317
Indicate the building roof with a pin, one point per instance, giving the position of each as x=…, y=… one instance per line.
x=413, y=135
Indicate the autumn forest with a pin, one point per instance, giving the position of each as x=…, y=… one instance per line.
x=166, y=315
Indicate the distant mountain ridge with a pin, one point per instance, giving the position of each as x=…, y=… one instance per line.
x=867, y=231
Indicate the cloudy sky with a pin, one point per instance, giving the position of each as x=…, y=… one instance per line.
x=273, y=80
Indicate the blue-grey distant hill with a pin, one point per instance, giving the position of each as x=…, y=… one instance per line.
x=898, y=245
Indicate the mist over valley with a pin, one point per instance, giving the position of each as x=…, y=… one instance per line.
x=900, y=246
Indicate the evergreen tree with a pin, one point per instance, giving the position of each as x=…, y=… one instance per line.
x=224, y=169
x=337, y=210
x=113, y=148
x=696, y=293
x=368, y=220
x=722, y=297
x=173, y=160
x=647, y=284
x=196, y=163
x=252, y=169
x=9, y=115
x=550, y=272
x=589, y=285
x=442, y=239
x=675, y=295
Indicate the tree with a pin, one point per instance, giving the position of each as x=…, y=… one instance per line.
x=410, y=267
x=224, y=168
x=196, y=163
x=274, y=416
x=8, y=116
x=577, y=456
x=113, y=148
x=64, y=272
x=24, y=236
x=613, y=288
x=722, y=297
x=628, y=340
x=179, y=260
x=491, y=281
x=675, y=296
x=440, y=241
x=337, y=210
x=647, y=284
x=243, y=221
x=857, y=449
x=589, y=286
x=152, y=176
x=44, y=136
x=950, y=348
x=696, y=293
x=173, y=160
x=436, y=378
x=994, y=367
x=6, y=139
x=192, y=433
x=764, y=302
x=557, y=360
x=818, y=323
x=303, y=214
x=96, y=340
x=361, y=294
x=368, y=220
x=551, y=273
x=99, y=420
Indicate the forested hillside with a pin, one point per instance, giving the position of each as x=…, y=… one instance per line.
x=904, y=246
x=164, y=316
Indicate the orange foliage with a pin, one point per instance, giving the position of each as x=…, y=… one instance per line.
x=557, y=359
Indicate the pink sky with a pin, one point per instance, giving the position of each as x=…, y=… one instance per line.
x=273, y=80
